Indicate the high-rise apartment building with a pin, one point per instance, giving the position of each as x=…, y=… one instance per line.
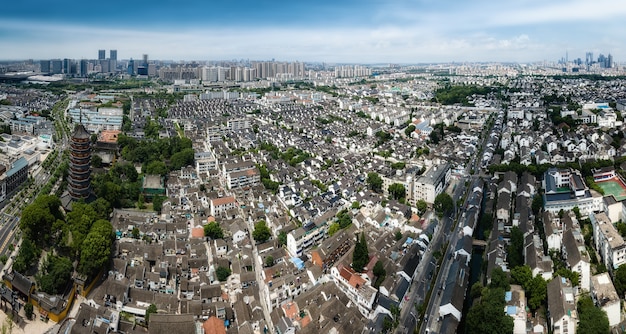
x=84, y=67
x=44, y=66
x=102, y=54
x=56, y=66
x=113, y=54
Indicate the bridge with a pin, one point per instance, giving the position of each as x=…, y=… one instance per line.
x=479, y=243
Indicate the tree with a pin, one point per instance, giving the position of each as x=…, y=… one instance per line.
x=261, y=232
x=55, y=275
x=398, y=235
x=572, y=276
x=488, y=316
x=397, y=191
x=499, y=279
x=422, y=206
x=213, y=230
x=334, y=228
x=222, y=273
x=619, y=279
x=355, y=205
x=374, y=182
x=182, y=159
x=443, y=203
x=26, y=257
x=516, y=248
x=591, y=318
x=37, y=218
x=360, y=256
x=409, y=129
x=151, y=309
x=156, y=167
x=96, y=161
x=28, y=310
x=157, y=203
x=96, y=249
x=269, y=261
x=102, y=207
x=282, y=238
x=380, y=273
x=522, y=275
x=538, y=292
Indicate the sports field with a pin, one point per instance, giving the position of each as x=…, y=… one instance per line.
x=613, y=187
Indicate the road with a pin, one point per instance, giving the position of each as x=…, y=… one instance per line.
x=426, y=270
x=9, y=214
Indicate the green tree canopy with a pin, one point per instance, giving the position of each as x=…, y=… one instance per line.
x=499, y=279
x=282, y=238
x=422, y=206
x=269, y=261
x=374, y=182
x=222, y=273
x=592, y=320
x=55, y=274
x=619, y=279
x=213, y=230
x=26, y=257
x=151, y=310
x=443, y=203
x=37, y=218
x=261, y=232
x=397, y=191
x=487, y=317
x=96, y=250
x=360, y=256
x=516, y=248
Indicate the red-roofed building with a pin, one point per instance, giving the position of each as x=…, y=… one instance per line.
x=222, y=204
x=213, y=325
x=356, y=286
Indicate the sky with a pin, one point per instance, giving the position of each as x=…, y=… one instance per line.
x=339, y=31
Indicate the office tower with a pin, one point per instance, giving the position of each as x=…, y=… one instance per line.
x=102, y=54
x=105, y=66
x=84, y=67
x=602, y=60
x=45, y=66
x=113, y=54
x=589, y=58
x=131, y=67
x=67, y=66
x=152, y=72
x=79, y=181
x=56, y=66
x=145, y=60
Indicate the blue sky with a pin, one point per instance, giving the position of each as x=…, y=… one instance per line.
x=366, y=31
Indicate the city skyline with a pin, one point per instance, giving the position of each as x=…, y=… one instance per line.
x=350, y=31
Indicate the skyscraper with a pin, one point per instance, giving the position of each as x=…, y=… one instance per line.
x=56, y=66
x=145, y=60
x=113, y=54
x=131, y=67
x=84, y=67
x=44, y=66
x=102, y=54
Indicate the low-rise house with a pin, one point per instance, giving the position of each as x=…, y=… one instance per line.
x=576, y=256
x=357, y=288
x=605, y=297
x=563, y=317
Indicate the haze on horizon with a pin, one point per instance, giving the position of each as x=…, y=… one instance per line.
x=366, y=31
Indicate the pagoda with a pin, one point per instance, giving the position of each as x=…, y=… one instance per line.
x=79, y=180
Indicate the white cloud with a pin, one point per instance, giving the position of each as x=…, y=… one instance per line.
x=466, y=34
